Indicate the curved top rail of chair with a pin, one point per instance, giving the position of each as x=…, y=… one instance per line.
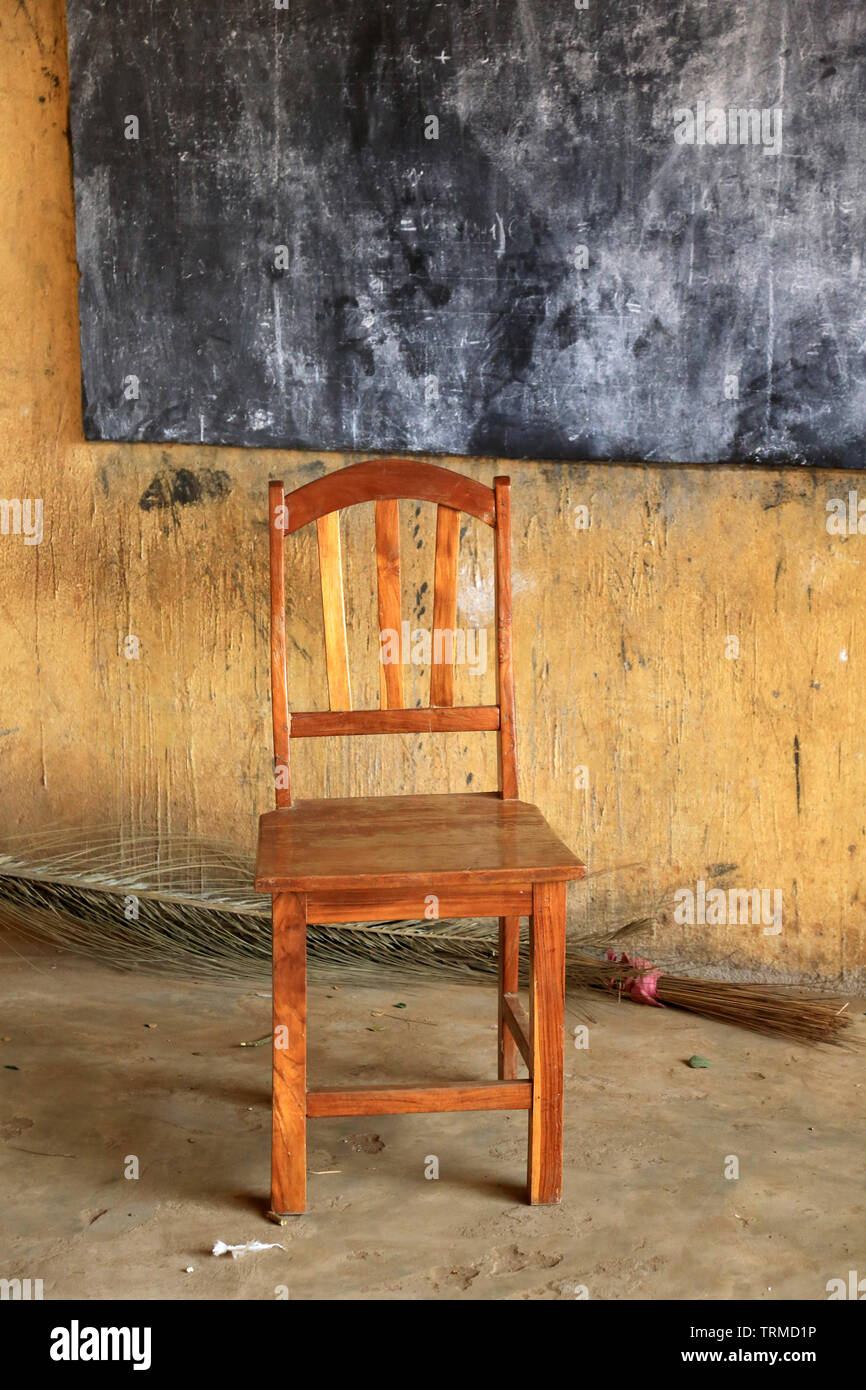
x=381, y=479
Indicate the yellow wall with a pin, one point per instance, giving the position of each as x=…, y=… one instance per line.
x=620, y=630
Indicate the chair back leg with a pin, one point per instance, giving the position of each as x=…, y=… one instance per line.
x=509, y=959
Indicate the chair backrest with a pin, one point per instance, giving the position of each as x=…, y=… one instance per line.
x=385, y=482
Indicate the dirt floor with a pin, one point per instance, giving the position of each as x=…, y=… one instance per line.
x=97, y=1067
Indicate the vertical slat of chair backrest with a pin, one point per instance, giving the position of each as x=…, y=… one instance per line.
x=444, y=607
x=390, y=610
x=505, y=642
x=334, y=611
x=279, y=675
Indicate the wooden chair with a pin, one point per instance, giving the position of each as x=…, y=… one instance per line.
x=379, y=858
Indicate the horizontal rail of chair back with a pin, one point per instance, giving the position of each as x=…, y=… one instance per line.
x=458, y=719
x=386, y=482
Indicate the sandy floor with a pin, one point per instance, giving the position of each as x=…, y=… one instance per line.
x=110, y=1066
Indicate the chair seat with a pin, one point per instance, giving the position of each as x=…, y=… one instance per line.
x=399, y=841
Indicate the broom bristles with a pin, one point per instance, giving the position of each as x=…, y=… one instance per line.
x=789, y=1011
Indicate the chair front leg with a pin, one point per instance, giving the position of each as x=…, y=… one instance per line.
x=547, y=1025
x=289, y=1151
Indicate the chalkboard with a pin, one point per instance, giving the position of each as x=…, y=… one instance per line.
x=520, y=228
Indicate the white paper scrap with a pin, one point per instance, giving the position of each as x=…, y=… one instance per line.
x=251, y=1247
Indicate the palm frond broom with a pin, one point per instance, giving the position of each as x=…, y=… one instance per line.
x=177, y=904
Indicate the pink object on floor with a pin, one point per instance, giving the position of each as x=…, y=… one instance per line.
x=642, y=986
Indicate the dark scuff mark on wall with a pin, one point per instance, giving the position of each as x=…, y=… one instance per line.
x=181, y=487
x=719, y=870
